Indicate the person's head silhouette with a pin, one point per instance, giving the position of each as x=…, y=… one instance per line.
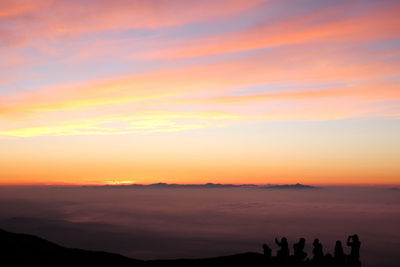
x=267, y=250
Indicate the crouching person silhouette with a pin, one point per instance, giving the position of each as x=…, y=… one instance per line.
x=267, y=251
x=267, y=254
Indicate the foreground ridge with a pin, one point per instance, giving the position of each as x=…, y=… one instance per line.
x=29, y=250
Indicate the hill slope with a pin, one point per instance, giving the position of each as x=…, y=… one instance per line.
x=29, y=250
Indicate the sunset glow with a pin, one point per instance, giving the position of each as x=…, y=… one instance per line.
x=182, y=91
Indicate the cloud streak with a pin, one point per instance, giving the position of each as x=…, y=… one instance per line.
x=206, y=95
x=319, y=27
x=29, y=20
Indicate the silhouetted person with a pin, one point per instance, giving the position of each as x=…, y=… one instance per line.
x=354, y=243
x=339, y=254
x=267, y=251
x=267, y=255
x=298, y=248
x=283, y=253
x=317, y=251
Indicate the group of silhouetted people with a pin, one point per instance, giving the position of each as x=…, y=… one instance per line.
x=299, y=257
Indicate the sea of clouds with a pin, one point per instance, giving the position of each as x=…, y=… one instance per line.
x=151, y=223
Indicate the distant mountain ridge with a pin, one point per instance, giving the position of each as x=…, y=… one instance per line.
x=288, y=186
x=211, y=186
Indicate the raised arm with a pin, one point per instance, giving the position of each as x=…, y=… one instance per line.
x=348, y=241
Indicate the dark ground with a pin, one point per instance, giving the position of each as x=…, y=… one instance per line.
x=29, y=250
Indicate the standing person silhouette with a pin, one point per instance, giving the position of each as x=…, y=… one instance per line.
x=354, y=243
x=298, y=248
x=317, y=251
x=284, y=251
x=339, y=254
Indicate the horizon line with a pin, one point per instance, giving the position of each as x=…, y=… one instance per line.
x=94, y=184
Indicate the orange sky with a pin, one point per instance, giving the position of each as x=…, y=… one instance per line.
x=199, y=91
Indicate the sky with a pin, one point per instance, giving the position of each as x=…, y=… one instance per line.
x=182, y=91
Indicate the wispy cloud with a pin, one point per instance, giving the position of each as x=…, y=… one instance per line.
x=321, y=27
x=338, y=61
x=29, y=20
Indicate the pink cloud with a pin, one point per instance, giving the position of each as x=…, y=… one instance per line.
x=52, y=19
x=320, y=27
x=217, y=80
